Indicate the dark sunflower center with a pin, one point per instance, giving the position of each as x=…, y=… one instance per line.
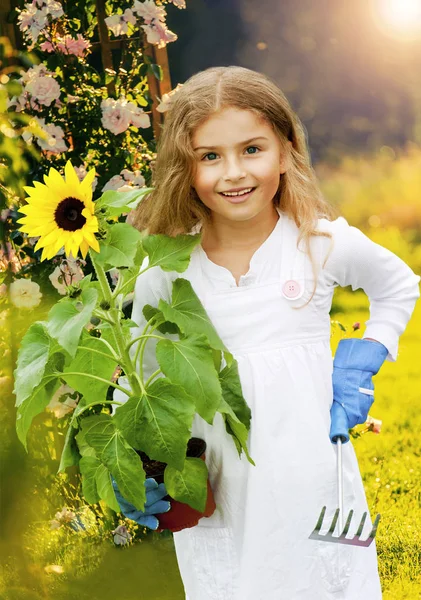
x=68, y=214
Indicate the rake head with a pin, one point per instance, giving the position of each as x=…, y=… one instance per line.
x=341, y=539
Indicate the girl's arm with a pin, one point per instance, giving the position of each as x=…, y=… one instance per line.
x=390, y=284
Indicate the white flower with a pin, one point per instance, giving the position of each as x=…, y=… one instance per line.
x=25, y=293
x=116, y=117
x=63, y=402
x=179, y=3
x=55, y=141
x=139, y=117
x=149, y=11
x=167, y=99
x=54, y=8
x=114, y=183
x=119, y=24
x=68, y=273
x=32, y=21
x=125, y=182
x=44, y=89
x=121, y=535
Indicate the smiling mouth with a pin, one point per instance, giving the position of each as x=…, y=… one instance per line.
x=237, y=194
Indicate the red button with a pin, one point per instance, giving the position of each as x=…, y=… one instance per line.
x=291, y=289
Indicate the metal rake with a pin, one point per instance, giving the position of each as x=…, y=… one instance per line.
x=342, y=531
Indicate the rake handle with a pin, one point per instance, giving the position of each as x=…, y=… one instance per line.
x=339, y=435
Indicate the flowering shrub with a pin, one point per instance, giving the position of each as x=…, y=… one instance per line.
x=65, y=107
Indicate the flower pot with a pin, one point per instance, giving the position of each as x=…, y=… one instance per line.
x=181, y=515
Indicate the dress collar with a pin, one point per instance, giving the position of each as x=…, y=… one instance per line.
x=262, y=254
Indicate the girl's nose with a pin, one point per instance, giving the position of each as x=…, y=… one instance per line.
x=234, y=170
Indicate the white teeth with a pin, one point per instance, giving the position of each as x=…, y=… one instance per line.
x=236, y=193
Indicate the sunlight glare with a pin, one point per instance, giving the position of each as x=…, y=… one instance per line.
x=401, y=13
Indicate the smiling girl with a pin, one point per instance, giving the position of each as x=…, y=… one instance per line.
x=233, y=164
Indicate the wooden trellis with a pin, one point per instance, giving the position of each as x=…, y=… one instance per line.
x=157, y=55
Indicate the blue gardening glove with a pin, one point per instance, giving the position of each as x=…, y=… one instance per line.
x=154, y=504
x=355, y=363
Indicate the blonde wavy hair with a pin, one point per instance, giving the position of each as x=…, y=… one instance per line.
x=173, y=207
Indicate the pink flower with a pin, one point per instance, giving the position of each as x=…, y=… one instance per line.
x=68, y=45
x=44, y=89
x=374, y=425
x=78, y=46
x=47, y=47
x=158, y=34
x=118, y=115
x=179, y=3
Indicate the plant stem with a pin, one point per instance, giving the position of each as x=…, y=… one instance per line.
x=124, y=357
x=96, y=403
x=134, y=340
x=128, y=282
x=117, y=387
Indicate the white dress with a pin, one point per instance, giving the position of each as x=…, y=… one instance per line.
x=256, y=546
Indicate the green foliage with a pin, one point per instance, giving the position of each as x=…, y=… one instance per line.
x=189, y=362
x=158, y=416
x=188, y=485
x=159, y=423
x=68, y=317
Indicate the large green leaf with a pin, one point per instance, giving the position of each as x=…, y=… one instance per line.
x=164, y=326
x=170, y=253
x=91, y=363
x=119, y=247
x=188, y=313
x=68, y=317
x=236, y=429
x=96, y=482
x=190, y=484
x=36, y=402
x=233, y=393
x=159, y=423
x=117, y=203
x=70, y=455
x=130, y=274
x=35, y=349
x=189, y=362
x=113, y=451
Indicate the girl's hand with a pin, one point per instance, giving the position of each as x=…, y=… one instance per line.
x=154, y=504
x=355, y=363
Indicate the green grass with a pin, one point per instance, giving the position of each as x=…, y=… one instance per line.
x=390, y=462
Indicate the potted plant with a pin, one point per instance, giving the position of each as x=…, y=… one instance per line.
x=62, y=349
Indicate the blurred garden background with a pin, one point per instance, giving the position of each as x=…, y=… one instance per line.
x=90, y=81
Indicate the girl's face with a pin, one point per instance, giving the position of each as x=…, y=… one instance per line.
x=228, y=157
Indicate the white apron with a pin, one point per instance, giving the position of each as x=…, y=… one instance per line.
x=256, y=546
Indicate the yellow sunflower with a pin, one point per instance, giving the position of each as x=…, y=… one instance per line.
x=61, y=212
